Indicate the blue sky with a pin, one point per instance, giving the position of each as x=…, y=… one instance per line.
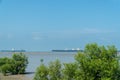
x=43, y=25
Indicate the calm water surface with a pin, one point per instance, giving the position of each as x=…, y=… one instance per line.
x=35, y=57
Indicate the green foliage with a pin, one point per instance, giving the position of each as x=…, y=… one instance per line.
x=5, y=65
x=5, y=69
x=52, y=72
x=69, y=71
x=55, y=70
x=95, y=63
x=4, y=61
x=98, y=63
x=41, y=73
x=15, y=65
x=20, y=63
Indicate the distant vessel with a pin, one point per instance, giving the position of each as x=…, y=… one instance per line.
x=67, y=50
x=13, y=50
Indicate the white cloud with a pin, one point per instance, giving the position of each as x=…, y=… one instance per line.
x=81, y=32
x=37, y=36
x=70, y=33
x=84, y=31
x=95, y=31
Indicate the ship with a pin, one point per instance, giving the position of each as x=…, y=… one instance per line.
x=13, y=50
x=68, y=50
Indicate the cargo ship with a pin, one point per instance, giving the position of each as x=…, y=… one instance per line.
x=13, y=50
x=66, y=50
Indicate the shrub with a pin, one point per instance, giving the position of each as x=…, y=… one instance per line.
x=20, y=63
x=52, y=72
x=98, y=63
x=55, y=70
x=41, y=73
x=69, y=71
x=95, y=63
x=5, y=69
x=15, y=65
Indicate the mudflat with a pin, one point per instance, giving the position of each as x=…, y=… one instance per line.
x=14, y=77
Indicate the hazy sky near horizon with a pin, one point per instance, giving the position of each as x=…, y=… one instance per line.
x=42, y=25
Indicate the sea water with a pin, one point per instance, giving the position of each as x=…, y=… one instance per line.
x=34, y=59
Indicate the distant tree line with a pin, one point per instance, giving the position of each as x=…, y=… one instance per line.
x=95, y=63
x=15, y=65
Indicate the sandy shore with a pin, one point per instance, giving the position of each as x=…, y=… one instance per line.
x=14, y=77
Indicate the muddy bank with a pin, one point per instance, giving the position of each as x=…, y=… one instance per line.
x=14, y=77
